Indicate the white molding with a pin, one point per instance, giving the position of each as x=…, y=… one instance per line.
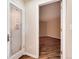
x=16, y=4
x=49, y=2
x=54, y=37
x=8, y=49
x=29, y=54
x=17, y=55
x=63, y=24
x=21, y=53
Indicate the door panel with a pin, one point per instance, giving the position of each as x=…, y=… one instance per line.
x=15, y=29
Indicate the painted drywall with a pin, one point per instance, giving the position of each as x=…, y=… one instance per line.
x=32, y=43
x=42, y=28
x=50, y=11
x=50, y=28
x=32, y=21
x=53, y=28
x=69, y=30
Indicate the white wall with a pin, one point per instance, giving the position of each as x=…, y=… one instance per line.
x=32, y=44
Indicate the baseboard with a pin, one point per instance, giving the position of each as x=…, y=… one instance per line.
x=44, y=36
x=31, y=55
x=17, y=55
x=21, y=53
x=48, y=37
x=53, y=37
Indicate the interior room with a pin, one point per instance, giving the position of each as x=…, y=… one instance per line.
x=49, y=27
x=38, y=29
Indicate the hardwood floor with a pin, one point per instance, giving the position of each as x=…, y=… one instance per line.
x=49, y=49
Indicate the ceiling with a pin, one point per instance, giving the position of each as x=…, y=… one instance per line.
x=50, y=11
x=26, y=1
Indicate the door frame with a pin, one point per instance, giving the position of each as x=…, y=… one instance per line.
x=63, y=25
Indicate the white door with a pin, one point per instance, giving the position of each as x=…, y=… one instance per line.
x=15, y=30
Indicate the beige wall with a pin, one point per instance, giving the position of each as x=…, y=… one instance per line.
x=50, y=20
x=50, y=11
x=53, y=28
x=43, y=28
x=50, y=28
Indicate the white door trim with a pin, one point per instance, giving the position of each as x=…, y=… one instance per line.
x=63, y=24
x=17, y=55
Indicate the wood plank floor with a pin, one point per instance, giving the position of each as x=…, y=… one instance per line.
x=49, y=49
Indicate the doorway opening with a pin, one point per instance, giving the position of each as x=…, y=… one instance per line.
x=50, y=30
